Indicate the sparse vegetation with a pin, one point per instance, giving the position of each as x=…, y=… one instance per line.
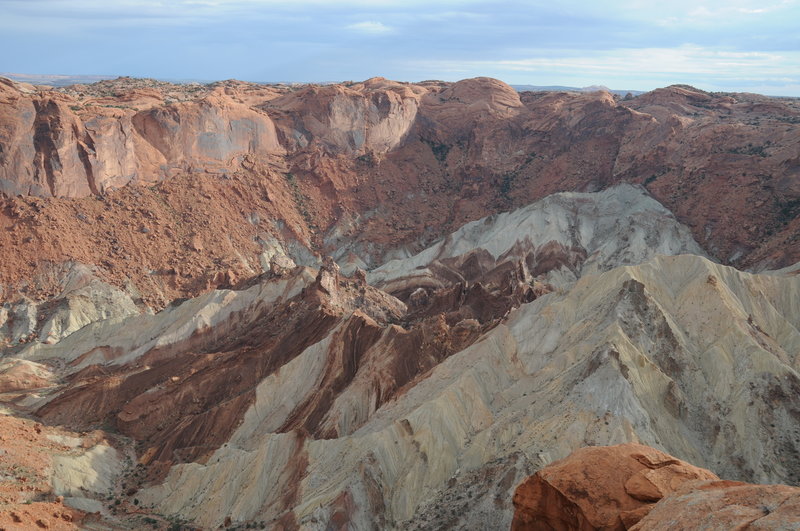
x=531, y=157
x=506, y=184
x=300, y=200
x=440, y=151
x=749, y=149
x=788, y=211
x=367, y=158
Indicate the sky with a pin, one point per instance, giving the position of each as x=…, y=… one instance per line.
x=733, y=45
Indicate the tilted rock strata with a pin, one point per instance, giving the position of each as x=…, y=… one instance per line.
x=304, y=398
x=594, y=365
x=558, y=239
x=632, y=354
x=179, y=382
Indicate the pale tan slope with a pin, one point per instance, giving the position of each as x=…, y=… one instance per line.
x=81, y=299
x=560, y=238
x=45, y=468
x=679, y=353
x=123, y=339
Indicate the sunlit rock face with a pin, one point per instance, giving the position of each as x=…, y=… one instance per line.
x=364, y=170
x=631, y=486
x=581, y=319
x=385, y=305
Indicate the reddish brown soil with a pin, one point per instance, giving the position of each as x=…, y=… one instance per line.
x=171, y=240
x=26, y=496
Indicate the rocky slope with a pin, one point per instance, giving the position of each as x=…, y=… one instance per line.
x=364, y=171
x=51, y=478
x=630, y=486
x=186, y=306
x=420, y=394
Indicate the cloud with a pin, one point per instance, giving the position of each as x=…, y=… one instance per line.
x=635, y=68
x=370, y=27
x=683, y=59
x=636, y=43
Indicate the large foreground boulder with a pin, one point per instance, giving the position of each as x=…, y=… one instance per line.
x=726, y=505
x=603, y=487
x=631, y=486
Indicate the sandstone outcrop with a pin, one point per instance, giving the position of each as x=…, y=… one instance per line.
x=631, y=486
x=388, y=167
x=371, y=117
x=600, y=488
x=84, y=146
x=726, y=505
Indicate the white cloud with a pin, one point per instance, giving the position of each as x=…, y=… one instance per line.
x=707, y=13
x=686, y=59
x=370, y=27
x=641, y=68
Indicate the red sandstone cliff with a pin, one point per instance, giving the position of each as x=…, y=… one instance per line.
x=365, y=168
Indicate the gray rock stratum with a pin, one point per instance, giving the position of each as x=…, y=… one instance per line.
x=421, y=394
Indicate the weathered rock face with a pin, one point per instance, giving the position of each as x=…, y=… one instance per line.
x=631, y=486
x=45, y=468
x=371, y=117
x=362, y=170
x=44, y=149
x=80, y=299
x=600, y=488
x=305, y=398
x=418, y=394
x=210, y=134
x=82, y=148
x=726, y=505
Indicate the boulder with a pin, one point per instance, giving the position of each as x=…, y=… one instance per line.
x=602, y=487
x=726, y=505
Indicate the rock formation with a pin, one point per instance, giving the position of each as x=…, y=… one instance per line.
x=368, y=171
x=308, y=397
x=630, y=486
x=365, y=305
x=600, y=487
x=726, y=505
